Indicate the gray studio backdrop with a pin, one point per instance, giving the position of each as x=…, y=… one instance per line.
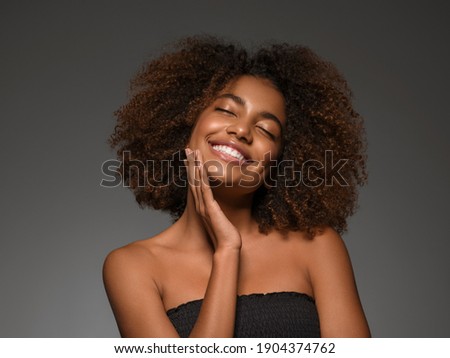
x=65, y=67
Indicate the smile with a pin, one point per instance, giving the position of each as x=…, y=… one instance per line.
x=228, y=151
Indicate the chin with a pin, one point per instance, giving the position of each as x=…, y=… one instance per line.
x=236, y=179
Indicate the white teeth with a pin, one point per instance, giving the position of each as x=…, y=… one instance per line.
x=228, y=150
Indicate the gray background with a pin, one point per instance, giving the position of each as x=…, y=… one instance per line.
x=65, y=67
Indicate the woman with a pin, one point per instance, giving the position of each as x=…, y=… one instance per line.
x=255, y=250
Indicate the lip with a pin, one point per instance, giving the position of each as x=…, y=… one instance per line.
x=231, y=145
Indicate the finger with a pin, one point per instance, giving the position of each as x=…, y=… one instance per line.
x=199, y=179
x=191, y=175
x=212, y=207
x=207, y=194
x=199, y=175
x=205, y=199
x=190, y=160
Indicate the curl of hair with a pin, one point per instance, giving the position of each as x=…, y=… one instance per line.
x=171, y=91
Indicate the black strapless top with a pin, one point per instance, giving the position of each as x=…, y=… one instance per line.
x=258, y=315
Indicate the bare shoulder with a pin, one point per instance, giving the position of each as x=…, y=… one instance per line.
x=140, y=258
x=129, y=267
x=136, y=253
x=130, y=276
x=328, y=246
x=340, y=310
x=328, y=258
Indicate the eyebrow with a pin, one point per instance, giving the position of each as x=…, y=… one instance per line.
x=235, y=98
x=241, y=101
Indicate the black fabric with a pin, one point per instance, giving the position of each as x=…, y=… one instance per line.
x=272, y=315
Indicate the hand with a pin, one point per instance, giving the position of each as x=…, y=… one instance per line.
x=222, y=232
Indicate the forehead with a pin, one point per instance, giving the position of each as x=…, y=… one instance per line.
x=253, y=85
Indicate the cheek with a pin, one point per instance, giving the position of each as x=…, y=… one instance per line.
x=204, y=127
x=270, y=161
x=196, y=135
x=269, y=154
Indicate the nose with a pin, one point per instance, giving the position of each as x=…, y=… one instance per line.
x=241, y=130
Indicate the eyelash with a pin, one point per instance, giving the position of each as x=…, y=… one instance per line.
x=233, y=114
x=224, y=110
x=267, y=132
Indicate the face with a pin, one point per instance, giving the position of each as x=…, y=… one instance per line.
x=240, y=132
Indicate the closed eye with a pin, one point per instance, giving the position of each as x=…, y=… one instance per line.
x=219, y=109
x=267, y=132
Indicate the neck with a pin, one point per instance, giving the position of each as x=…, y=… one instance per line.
x=237, y=208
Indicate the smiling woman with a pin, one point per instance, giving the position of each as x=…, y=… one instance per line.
x=255, y=250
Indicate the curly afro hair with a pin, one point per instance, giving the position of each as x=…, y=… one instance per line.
x=171, y=91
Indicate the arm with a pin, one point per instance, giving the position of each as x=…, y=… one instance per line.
x=135, y=297
x=337, y=300
x=218, y=311
x=137, y=305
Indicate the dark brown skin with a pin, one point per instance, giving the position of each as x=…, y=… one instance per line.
x=216, y=249
x=170, y=93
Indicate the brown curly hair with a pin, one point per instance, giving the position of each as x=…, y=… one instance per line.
x=171, y=91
